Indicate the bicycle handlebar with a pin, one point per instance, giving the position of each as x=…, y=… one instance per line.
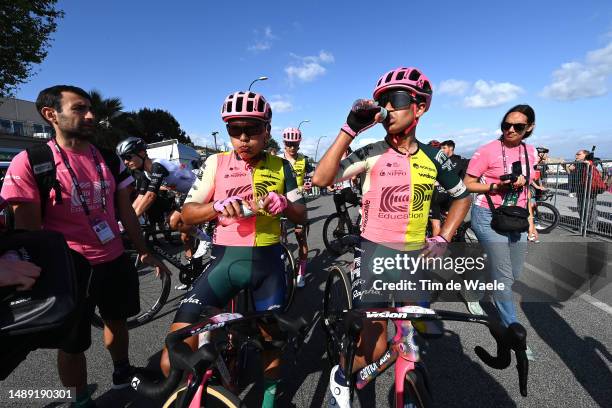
x=182, y=358
x=508, y=339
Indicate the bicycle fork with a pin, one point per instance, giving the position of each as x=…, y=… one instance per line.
x=408, y=357
x=403, y=351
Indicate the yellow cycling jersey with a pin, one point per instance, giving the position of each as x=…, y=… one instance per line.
x=226, y=175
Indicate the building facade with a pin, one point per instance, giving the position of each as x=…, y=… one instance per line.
x=21, y=126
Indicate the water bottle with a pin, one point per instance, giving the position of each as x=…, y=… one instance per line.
x=366, y=109
x=246, y=213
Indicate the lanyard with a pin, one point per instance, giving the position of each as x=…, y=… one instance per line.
x=75, y=182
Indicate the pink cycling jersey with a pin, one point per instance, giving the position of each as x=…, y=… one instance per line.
x=397, y=189
x=226, y=175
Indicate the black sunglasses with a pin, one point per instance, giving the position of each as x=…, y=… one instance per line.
x=292, y=144
x=518, y=127
x=398, y=99
x=127, y=157
x=250, y=130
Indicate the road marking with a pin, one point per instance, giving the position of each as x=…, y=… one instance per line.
x=586, y=297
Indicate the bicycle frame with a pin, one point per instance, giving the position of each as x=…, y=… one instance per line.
x=402, y=351
x=405, y=353
x=201, y=372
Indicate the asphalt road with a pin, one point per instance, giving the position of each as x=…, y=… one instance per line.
x=571, y=339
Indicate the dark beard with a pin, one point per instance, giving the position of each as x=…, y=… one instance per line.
x=79, y=134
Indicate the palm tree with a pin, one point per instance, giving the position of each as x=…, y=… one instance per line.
x=106, y=112
x=104, y=109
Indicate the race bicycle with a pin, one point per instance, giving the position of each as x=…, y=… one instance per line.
x=212, y=368
x=339, y=225
x=412, y=385
x=154, y=290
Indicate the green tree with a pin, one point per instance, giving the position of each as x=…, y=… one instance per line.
x=104, y=109
x=109, y=132
x=25, y=36
x=152, y=125
x=273, y=144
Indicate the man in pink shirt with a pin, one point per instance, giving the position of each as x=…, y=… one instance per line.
x=82, y=207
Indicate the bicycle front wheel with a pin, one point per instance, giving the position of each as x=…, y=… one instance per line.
x=216, y=397
x=153, y=291
x=416, y=391
x=466, y=234
x=336, y=301
x=333, y=232
x=545, y=217
x=290, y=279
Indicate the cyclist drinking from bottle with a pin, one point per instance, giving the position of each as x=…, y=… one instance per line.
x=247, y=190
x=292, y=138
x=399, y=180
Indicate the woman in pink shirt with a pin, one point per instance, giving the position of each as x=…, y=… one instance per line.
x=506, y=250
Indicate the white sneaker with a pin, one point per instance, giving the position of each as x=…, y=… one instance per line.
x=475, y=308
x=301, y=281
x=339, y=395
x=203, y=247
x=530, y=355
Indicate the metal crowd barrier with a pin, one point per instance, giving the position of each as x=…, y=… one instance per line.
x=581, y=207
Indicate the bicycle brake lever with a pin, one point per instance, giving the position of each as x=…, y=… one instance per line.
x=503, y=357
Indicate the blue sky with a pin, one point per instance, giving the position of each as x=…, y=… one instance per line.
x=482, y=57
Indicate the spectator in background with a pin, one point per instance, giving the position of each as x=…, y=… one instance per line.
x=459, y=163
x=506, y=250
x=577, y=182
x=573, y=172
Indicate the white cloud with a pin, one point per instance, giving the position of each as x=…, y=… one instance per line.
x=268, y=33
x=260, y=46
x=280, y=104
x=263, y=41
x=576, y=80
x=488, y=94
x=309, y=68
x=453, y=87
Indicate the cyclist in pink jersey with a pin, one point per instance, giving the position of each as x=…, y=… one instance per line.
x=247, y=190
x=399, y=180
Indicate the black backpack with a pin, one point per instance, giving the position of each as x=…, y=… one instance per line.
x=42, y=316
x=43, y=166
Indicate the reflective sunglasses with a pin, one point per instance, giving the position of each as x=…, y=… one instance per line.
x=518, y=127
x=292, y=144
x=250, y=130
x=398, y=99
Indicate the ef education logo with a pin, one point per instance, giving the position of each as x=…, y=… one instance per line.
x=395, y=198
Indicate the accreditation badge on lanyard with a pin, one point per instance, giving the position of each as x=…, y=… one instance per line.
x=102, y=229
x=99, y=226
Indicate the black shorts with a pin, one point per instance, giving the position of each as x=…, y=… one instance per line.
x=346, y=195
x=440, y=202
x=112, y=286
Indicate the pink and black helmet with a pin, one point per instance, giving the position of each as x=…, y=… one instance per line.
x=407, y=78
x=246, y=105
x=292, y=135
